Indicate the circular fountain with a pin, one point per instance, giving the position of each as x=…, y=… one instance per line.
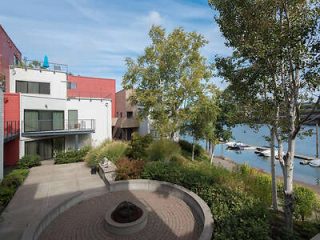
x=126, y=218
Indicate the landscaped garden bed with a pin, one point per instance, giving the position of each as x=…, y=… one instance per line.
x=239, y=200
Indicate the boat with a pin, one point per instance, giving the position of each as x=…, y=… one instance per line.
x=315, y=163
x=236, y=145
x=267, y=153
x=304, y=162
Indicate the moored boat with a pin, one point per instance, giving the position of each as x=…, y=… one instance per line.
x=315, y=163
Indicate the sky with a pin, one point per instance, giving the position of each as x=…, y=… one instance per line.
x=93, y=37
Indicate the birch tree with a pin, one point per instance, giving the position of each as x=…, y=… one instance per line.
x=168, y=78
x=283, y=37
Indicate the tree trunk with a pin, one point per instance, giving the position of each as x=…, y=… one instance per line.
x=289, y=158
x=212, y=153
x=273, y=173
x=192, y=150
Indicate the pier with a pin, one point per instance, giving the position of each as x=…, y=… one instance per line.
x=260, y=149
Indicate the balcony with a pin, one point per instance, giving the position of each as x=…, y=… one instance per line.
x=50, y=128
x=11, y=130
x=39, y=65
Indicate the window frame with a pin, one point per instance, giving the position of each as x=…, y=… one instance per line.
x=42, y=86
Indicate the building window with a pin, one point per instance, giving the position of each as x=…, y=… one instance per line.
x=46, y=148
x=32, y=87
x=129, y=114
x=72, y=85
x=38, y=120
x=121, y=114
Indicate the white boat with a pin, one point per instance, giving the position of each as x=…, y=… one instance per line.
x=267, y=153
x=230, y=144
x=236, y=145
x=315, y=163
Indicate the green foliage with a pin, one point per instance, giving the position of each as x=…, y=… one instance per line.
x=10, y=183
x=168, y=78
x=306, y=202
x=138, y=145
x=129, y=169
x=15, y=178
x=113, y=151
x=6, y=193
x=71, y=156
x=186, y=146
x=163, y=150
x=29, y=161
x=236, y=214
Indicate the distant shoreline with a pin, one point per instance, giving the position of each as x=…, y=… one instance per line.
x=229, y=164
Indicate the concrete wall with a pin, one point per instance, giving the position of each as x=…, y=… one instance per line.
x=57, y=80
x=1, y=134
x=98, y=109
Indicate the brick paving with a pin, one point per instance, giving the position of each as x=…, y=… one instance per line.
x=168, y=218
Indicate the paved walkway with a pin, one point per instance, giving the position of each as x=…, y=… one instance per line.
x=44, y=189
x=169, y=218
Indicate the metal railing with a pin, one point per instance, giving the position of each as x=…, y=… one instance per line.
x=38, y=65
x=58, y=125
x=11, y=128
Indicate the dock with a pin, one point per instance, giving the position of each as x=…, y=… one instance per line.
x=263, y=148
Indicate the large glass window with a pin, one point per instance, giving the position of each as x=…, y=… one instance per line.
x=31, y=121
x=40, y=120
x=32, y=87
x=45, y=148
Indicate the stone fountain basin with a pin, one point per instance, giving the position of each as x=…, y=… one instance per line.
x=126, y=228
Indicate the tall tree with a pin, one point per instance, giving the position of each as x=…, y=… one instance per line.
x=282, y=38
x=169, y=78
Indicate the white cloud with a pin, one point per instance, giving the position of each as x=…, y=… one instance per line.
x=154, y=18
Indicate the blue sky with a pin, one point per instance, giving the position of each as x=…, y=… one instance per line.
x=95, y=36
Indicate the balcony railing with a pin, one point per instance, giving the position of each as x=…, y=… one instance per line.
x=58, y=125
x=11, y=129
x=38, y=65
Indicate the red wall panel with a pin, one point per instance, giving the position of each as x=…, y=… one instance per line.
x=11, y=115
x=8, y=51
x=92, y=87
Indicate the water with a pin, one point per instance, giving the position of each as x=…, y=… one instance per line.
x=243, y=133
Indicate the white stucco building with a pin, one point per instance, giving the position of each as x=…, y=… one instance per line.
x=50, y=121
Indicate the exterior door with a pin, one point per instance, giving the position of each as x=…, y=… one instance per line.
x=73, y=119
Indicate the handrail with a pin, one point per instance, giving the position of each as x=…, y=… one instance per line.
x=57, y=125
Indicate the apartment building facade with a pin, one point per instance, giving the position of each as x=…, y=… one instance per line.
x=50, y=120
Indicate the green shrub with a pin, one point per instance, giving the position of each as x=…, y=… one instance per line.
x=163, y=150
x=306, y=202
x=138, y=145
x=6, y=193
x=129, y=169
x=15, y=178
x=186, y=146
x=236, y=214
x=113, y=151
x=92, y=158
x=71, y=156
x=29, y=161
